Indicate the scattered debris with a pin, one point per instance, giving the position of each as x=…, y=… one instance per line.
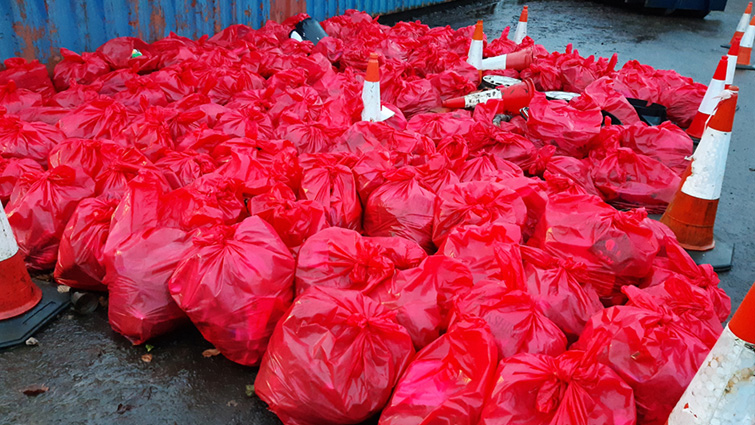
x=211, y=352
x=35, y=390
x=32, y=342
x=147, y=358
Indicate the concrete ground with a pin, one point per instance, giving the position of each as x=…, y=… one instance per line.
x=96, y=377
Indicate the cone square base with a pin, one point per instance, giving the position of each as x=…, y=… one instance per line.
x=726, y=46
x=720, y=257
x=747, y=67
x=17, y=330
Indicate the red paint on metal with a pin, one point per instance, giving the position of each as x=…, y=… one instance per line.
x=280, y=10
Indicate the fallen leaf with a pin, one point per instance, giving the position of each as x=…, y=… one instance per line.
x=147, y=358
x=250, y=390
x=35, y=390
x=32, y=341
x=149, y=347
x=232, y=403
x=123, y=408
x=212, y=352
x=63, y=289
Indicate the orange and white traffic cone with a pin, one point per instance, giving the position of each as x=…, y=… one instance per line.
x=691, y=214
x=709, y=102
x=373, y=108
x=731, y=64
x=521, y=26
x=723, y=389
x=514, y=97
x=742, y=25
x=517, y=60
x=474, y=57
x=744, y=59
x=21, y=312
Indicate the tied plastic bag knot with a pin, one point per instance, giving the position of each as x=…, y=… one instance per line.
x=371, y=260
x=62, y=175
x=358, y=321
x=216, y=235
x=550, y=394
x=542, y=158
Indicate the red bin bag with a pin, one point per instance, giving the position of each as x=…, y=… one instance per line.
x=80, y=256
x=40, y=208
x=328, y=180
x=32, y=140
x=11, y=170
x=517, y=323
x=361, y=353
x=448, y=380
x=568, y=389
x=236, y=285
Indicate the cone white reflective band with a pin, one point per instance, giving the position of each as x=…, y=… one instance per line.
x=744, y=22
x=295, y=35
x=723, y=389
x=496, y=62
x=474, y=99
x=475, y=54
x=708, y=165
x=731, y=66
x=748, y=38
x=8, y=246
x=371, y=101
x=710, y=100
x=521, y=32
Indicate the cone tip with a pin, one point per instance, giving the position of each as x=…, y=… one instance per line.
x=478, y=31
x=734, y=49
x=741, y=322
x=720, y=73
x=748, y=10
x=723, y=117
x=373, y=69
x=524, y=15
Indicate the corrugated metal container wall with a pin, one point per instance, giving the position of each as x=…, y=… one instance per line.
x=36, y=29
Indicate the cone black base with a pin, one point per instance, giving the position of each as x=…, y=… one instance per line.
x=726, y=46
x=747, y=67
x=720, y=257
x=17, y=330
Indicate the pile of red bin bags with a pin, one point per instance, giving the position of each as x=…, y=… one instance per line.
x=436, y=267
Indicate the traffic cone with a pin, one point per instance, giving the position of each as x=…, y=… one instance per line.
x=691, y=214
x=723, y=389
x=474, y=57
x=741, y=26
x=521, y=27
x=731, y=64
x=708, y=104
x=517, y=60
x=373, y=109
x=745, y=47
x=21, y=312
x=514, y=97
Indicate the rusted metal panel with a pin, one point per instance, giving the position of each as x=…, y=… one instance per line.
x=37, y=29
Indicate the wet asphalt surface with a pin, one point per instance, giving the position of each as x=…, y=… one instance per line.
x=96, y=377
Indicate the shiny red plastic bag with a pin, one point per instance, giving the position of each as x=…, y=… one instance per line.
x=295, y=221
x=481, y=248
x=344, y=381
x=27, y=75
x=666, y=143
x=328, y=180
x=16, y=100
x=555, y=122
x=476, y=203
x=441, y=126
x=235, y=287
x=102, y=118
x=576, y=170
x=32, y=140
x=343, y=259
x=117, y=51
x=401, y=207
x=626, y=179
x=39, y=215
x=447, y=381
x=617, y=247
x=601, y=94
x=83, y=69
x=140, y=305
x=11, y=170
x=568, y=389
x=80, y=256
x=652, y=349
x=517, y=323
x=556, y=286
x=182, y=168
